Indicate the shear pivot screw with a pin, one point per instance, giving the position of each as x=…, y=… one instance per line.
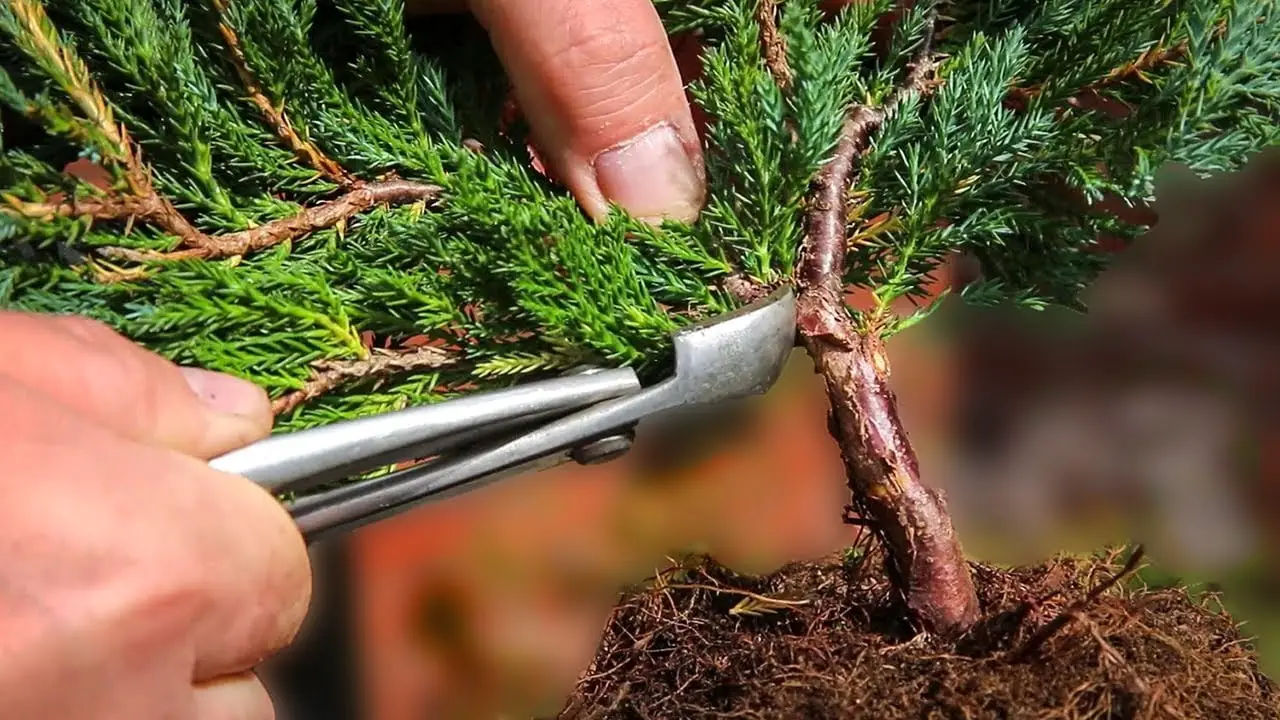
x=602, y=450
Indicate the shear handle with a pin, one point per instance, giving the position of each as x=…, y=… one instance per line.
x=300, y=461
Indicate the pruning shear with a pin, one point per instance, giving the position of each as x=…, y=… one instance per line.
x=587, y=416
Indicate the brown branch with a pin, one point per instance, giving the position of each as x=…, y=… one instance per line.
x=306, y=151
x=1149, y=60
x=884, y=476
x=157, y=210
x=773, y=44
x=311, y=219
x=822, y=254
x=150, y=208
x=743, y=288
x=327, y=376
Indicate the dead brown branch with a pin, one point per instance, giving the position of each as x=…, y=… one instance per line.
x=327, y=376
x=155, y=209
x=309, y=220
x=306, y=151
x=773, y=44
x=1151, y=59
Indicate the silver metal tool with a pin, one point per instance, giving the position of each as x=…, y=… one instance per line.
x=586, y=417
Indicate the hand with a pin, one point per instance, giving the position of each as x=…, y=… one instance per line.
x=135, y=582
x=600, y=88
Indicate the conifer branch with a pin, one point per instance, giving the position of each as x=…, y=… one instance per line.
x=275, y=116
x=37, y=37
x=144, y=203
x=772, y=43
x=882, y=468
x=329, y=375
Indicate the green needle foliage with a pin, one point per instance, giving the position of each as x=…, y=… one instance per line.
x=999, y=159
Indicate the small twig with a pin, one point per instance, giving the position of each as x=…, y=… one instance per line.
x=743, y=288
x=329, y=375
x=158, y=211
x=1075, y=610
x=275, y=116
x=1149, y=60
x=735, y=591
x=773, y=43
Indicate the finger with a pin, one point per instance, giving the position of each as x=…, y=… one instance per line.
x=257, y=568
x=238, y=697
x=153, y=547
x=94, y=370
x=604, y=100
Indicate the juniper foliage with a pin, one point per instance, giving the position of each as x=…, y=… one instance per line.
x=241, y=113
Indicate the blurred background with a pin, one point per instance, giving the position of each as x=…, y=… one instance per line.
x=1150, y=419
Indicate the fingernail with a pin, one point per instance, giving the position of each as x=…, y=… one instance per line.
x=226, y=394
x=652, y=177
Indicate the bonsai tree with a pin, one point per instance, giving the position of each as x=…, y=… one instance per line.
x=301, y=194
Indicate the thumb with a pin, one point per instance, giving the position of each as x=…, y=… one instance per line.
x=94, y=370
x=239, y=697
x=605, y=102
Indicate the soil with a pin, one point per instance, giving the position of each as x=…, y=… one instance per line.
x=1070, y=638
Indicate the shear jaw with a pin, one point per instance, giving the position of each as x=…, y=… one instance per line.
x=738, y=354
x=731, y=357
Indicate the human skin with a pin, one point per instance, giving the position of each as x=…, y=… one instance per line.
x=136, y=582
x=603, y=95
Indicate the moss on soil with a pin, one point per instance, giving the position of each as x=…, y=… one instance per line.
x=836, y=647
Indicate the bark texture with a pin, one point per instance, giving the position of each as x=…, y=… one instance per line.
x=911, y=519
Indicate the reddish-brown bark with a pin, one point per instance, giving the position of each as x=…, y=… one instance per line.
x=910, y=518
